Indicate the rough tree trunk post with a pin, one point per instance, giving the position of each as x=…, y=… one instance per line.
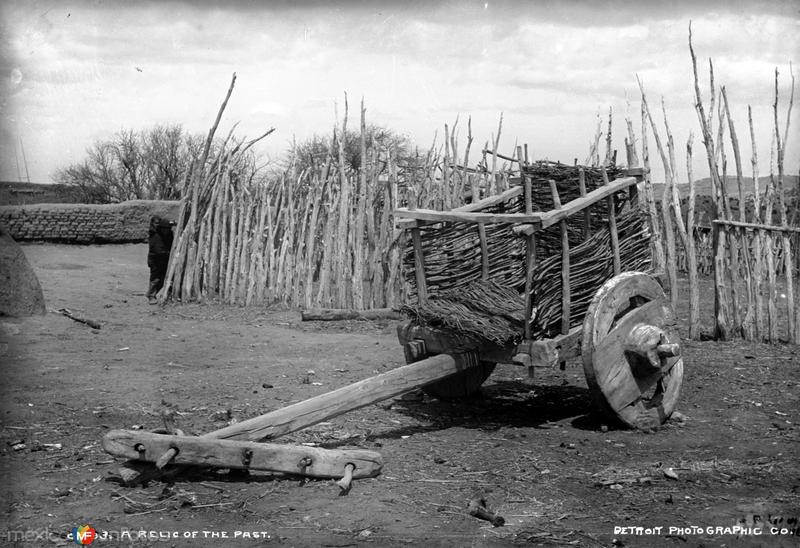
x=721, y=307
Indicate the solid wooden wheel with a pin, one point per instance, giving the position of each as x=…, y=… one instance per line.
x=630, y=357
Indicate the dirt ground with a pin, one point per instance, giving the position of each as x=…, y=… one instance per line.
x=537, y=452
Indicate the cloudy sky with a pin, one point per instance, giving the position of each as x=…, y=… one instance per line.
x=77, y=71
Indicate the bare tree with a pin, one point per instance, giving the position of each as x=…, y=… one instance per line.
x=166, y=152
x=149, y=164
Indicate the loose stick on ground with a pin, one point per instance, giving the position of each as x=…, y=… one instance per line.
x=91, y=323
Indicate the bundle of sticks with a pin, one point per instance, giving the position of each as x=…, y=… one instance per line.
x=485, y=310
x=453, y=257
x=566, y=178
x=591, y=264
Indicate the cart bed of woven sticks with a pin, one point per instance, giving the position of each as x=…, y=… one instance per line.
x=557, y=266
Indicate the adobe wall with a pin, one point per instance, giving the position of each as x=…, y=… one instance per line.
x=85, y=223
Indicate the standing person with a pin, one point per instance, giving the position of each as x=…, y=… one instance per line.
x=158, y=254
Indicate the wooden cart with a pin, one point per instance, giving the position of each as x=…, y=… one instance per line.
x=512, y=278
x=598, y=296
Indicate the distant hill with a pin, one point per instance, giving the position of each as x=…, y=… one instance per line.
x=703, y=186
x=704, y=204
x=16, y=193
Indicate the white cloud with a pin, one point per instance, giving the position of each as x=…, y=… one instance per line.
x=89, y=70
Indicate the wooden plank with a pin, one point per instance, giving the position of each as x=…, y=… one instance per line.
x=419, y=266
x=336, y=314
x=469, y=208
x=484, y=252
x=552, y=217
x=242, y=455
x=492, y=200
x=612, y=225
x=756, y=226
x=409, y=218
x=348, y=398
x=466, y=217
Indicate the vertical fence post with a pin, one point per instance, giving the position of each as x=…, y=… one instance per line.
x=612, y=225
x=566, y=296
x=721, y=308
x=587, y=217
x=530, y=259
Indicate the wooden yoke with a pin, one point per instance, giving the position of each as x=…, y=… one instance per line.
x=209, y=450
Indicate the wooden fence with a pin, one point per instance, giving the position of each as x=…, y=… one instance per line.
x=753, y=261
x=704, y=251
x=319, y=234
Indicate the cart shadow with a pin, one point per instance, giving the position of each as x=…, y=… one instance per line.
x=501, y=404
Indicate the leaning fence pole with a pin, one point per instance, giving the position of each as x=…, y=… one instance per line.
x=313, y=231
x=395, y=285
x=747, y=321
x=299, y=270
x=357, y=227
x=666, y=200
x=675, y=201
x=179, y=246
x=691, y=251
x=794, y=335
x=721, y=305
x=341, y=259
x=657, y=244
x=733, y=264
x=328, y=266
x=758, y=236
x=769, y=249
